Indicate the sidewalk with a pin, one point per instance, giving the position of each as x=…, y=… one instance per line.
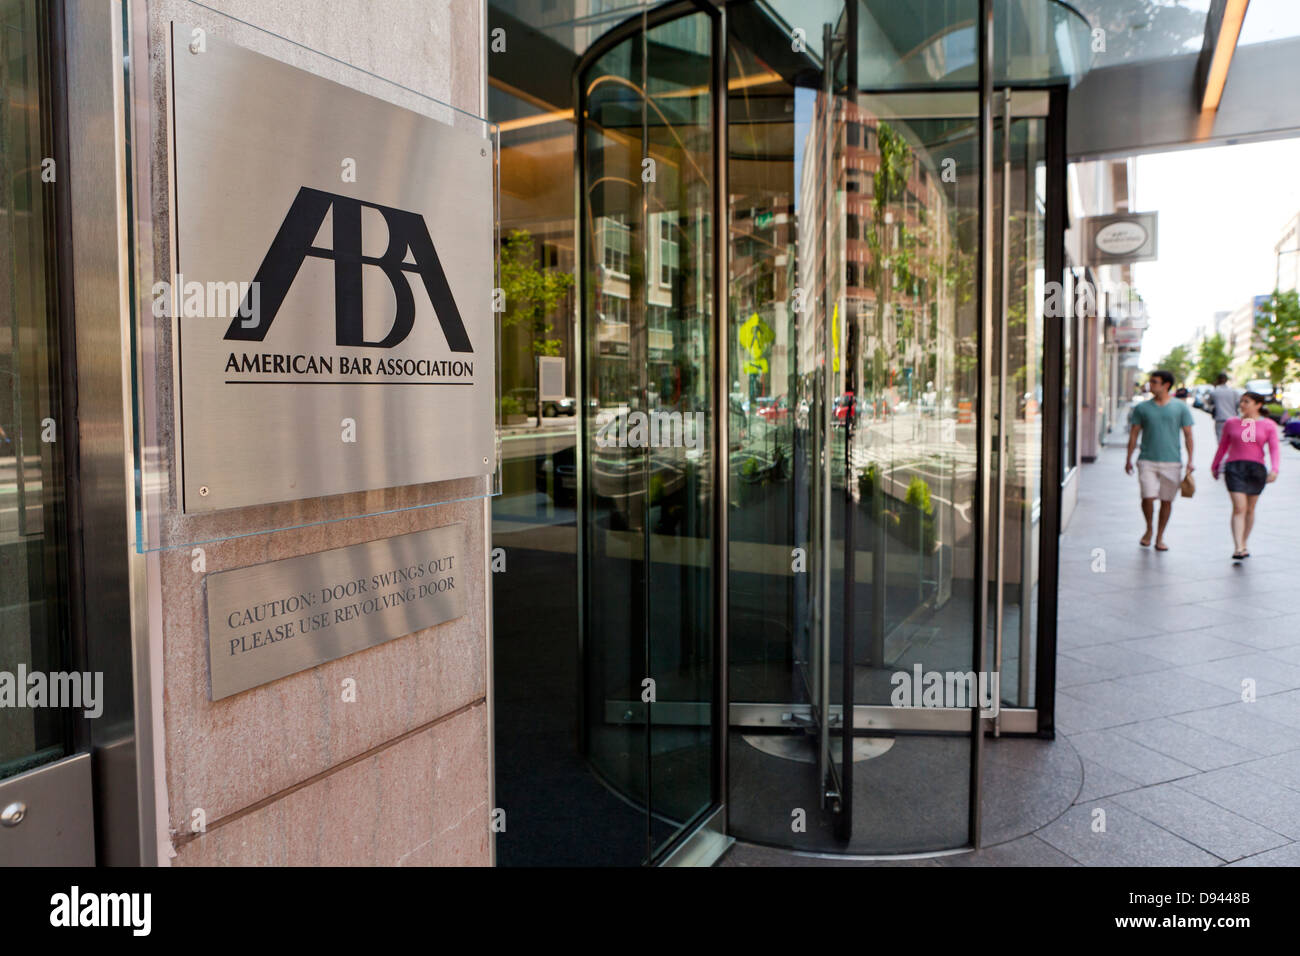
x=1153, y=656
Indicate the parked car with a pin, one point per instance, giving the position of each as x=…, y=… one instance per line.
x=1203, y=398
x=528, y=399
x=1264, y=387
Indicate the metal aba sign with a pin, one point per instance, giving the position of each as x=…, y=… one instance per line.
x=1119, y=239
x=333, y=295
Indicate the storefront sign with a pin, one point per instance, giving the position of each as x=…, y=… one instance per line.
x=1126, y=335
x=1120, y=239
x=333, y=295
x=272, y=620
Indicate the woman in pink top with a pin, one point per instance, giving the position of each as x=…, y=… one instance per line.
x=1242, y=444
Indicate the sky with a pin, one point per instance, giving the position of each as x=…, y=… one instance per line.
x=1222, y=210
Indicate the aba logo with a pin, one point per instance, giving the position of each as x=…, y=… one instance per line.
x=407, y=235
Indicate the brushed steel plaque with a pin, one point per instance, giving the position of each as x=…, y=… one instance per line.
x=332, y=299
x=272, y=620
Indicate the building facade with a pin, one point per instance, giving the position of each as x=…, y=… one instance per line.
x=774, y=555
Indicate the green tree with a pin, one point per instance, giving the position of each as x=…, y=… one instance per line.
x=1179, y=362
x=1213, y=358
x=1277, y=336
x=531, y=292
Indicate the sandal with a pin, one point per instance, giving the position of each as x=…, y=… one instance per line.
x=1237, y=555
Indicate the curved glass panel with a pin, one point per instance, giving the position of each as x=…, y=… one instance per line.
x=931, y=43
x=613, y=515
x=647, y=460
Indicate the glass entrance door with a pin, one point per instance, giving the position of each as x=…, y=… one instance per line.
x=648, y=456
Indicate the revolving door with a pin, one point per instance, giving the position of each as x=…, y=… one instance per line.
x=836, y=276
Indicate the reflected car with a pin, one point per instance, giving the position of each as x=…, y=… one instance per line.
x=846, y=409
x=776, y=410
x=622, y=476
x=527, y=397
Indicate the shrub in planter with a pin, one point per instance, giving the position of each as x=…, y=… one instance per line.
x=918, y=495
x=918, y=519
x=512, y=410
x=868, y=482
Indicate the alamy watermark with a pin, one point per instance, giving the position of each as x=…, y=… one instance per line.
x=209, y=300
x=58, y=689
x=127, y=910
x=653, y=430
x=958, y=689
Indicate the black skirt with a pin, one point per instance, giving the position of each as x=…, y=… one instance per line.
x=1247, y=477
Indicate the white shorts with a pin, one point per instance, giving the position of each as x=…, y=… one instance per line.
x=1160, y=479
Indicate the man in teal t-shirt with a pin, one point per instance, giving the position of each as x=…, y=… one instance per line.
x=1160, y=464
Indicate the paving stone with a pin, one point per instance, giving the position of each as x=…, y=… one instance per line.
x=1188, y=646
x=1117, y=660
x=1099, y=781
x=1288, y=855
x=1128, y=839
x=1201, y=822
x=1026, y=851
x=1251, y=796
x=1280, y=768
x=1194, y=592
x=1101, y=628
x=1281, y=708
x=1245, y=607
x=1109, y=749
x=1071, y=672
x=1101, y=705
x=1242, y=724
x=1270, y=674
x=1186, y=744
x=1164, y=618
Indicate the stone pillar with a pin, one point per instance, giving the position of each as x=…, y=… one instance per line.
x=288, y=772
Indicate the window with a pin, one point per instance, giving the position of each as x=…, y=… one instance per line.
x=852, y=227
x=616, y=246
x=616, y=309
x=667, y=251
x=853, y=134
